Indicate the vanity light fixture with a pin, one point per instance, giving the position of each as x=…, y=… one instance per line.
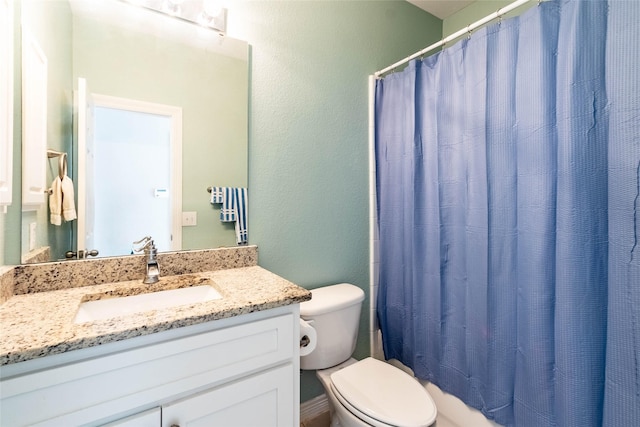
x=172, y=7
x=206, y=13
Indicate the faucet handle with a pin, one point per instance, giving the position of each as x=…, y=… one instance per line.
x=146, y=244
x=145, y=239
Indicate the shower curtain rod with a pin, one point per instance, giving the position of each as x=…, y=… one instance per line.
x=467, y=29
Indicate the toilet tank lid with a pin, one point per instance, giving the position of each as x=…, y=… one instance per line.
x=330, y=298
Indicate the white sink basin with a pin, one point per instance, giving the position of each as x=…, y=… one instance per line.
x=90, y=311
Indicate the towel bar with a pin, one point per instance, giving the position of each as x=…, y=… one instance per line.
x=62, y=162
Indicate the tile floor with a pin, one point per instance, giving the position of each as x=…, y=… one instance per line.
x=323, y=420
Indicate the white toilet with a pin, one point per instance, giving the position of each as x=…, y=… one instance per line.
x=361, y=393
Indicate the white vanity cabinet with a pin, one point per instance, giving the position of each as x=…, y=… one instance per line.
x=150, y=418
x=242, y=371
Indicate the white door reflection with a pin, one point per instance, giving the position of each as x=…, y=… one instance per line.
x=131, y=179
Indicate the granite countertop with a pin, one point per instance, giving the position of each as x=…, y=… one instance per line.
x=42, y=324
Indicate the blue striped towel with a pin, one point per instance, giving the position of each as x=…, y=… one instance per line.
x=234, y=209
x=241, y=215
x=217, y=194
x=228, y=210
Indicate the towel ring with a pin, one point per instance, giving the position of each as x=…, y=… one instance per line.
x=62, y=165
x=62, y=161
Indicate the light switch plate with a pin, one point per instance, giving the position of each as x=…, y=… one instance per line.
x=189, y=219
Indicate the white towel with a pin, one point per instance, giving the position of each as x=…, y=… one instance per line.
x=61, y=200
x=55, y=201
x=68, y=200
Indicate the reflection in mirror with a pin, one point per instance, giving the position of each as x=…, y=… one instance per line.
x=139, y=143
x=124, y=52
x=144, y=140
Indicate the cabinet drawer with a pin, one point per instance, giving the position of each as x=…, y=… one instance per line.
x=150, y=418
x=94, y=389
x=265, y=399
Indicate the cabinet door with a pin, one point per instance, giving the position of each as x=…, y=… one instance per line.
x=6, y=101
x=34, y=122
x=261, y=400
x=150, y=418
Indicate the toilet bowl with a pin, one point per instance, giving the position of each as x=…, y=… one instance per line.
x=374, y=393
x=361, y=393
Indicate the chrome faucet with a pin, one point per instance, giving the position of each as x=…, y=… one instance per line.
x=149, y=248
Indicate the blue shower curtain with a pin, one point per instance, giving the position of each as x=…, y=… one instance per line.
x=508, y=182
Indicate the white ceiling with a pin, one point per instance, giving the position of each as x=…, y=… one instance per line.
x=441, y=8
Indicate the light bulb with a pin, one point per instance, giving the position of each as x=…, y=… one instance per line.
x=172, y=7
x=211, y=8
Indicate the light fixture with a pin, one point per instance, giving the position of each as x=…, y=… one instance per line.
x=212, y=15
x=206, y=13
x=211, y=7
x=172, y=7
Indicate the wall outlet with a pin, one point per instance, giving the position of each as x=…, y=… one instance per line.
x=33, y=237
x=189, y=219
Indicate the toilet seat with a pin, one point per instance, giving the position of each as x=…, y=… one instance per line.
x=383, y=395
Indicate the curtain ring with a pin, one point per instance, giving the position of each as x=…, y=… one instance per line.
x=468, y=32
x=499, y=16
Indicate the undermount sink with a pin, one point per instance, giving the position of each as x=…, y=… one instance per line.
x=101, y=309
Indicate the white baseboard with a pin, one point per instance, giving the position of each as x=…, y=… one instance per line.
x=314, y=407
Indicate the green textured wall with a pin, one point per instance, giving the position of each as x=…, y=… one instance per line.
x=308, y=140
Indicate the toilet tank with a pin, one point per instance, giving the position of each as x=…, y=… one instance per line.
x=334, y=312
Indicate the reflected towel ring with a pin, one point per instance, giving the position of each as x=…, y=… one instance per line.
x=62, y=161
x=62, y=165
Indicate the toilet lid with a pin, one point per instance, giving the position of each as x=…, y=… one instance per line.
x=385, y=393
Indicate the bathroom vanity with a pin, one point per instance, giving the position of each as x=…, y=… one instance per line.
x=228, y=361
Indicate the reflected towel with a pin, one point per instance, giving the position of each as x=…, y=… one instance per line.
x=68, y=200
x=61, y=201
x=234, y=209
x=241, y=215
x=228, y=210
x=55, y=202
x=217, y=194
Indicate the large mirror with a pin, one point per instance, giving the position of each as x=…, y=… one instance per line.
x=139, y=67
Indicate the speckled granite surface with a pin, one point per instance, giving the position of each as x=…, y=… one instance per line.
x=6, y=283
x=42, y=254
x=40, y=324
x=32, y=278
